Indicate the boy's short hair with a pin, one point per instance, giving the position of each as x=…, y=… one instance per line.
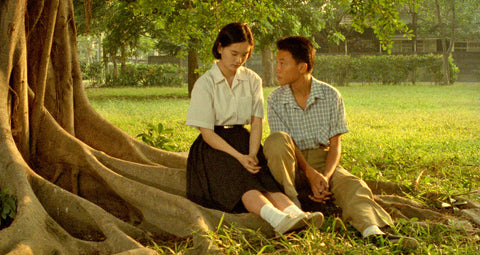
x=233, y=33
x=301, y=48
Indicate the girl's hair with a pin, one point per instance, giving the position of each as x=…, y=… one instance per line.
x=233, y=33
x=301, y=48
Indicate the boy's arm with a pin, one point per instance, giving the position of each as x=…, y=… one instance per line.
x=333, y=156
x=318, y=181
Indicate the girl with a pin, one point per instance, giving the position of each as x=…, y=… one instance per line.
x=226, y=168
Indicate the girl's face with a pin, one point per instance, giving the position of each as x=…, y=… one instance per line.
x=234, y=56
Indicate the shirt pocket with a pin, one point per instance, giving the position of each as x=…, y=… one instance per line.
x=244, y=109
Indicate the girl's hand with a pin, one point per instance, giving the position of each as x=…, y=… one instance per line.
x=249, y=163
x=254, y=158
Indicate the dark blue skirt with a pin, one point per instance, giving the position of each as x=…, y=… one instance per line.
x=217, y=180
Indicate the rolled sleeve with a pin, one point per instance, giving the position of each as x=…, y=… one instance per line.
x=201, y=112
x=339, y=120
x=257, y=98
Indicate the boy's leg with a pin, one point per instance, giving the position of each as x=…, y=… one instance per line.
x=356, y=200
x=279, y=150
x=351, y=194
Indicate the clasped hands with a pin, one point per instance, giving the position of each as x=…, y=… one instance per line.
x=250, y=163
x=318, y=182
x=320, y=187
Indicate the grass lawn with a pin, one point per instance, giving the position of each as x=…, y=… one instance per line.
x=397, y=133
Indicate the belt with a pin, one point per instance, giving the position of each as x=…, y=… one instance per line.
x=229, y=126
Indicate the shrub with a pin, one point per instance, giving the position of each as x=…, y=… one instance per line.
x=158, y=136
x=385, y=69
x=143, y=75
x=335, y=69
x=94, y=72
x=8, y=209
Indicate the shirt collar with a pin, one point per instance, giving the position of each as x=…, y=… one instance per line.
x=315, y=92
x=219, y=77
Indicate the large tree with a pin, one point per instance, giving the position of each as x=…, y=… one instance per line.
x=82, y=186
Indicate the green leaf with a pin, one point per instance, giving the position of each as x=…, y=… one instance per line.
x=159, y=128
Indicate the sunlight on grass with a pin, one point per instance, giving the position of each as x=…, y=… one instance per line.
x=396, y=133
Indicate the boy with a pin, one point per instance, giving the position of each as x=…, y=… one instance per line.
x=306, y=119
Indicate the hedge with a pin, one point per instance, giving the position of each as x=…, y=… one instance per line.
x=384, y=69
x=139, y=75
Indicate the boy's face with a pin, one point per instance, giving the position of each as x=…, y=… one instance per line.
x=287, y=69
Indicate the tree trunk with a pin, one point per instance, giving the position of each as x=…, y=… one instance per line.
x=192, y=67
x=267, y=67
x=82, y=186
x=123, y=58
x=446, y=50
x=415, y=40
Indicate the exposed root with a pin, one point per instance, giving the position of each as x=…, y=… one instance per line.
x=74, y=179
x=171, y=180
x=148, y=197
x=387, y=188
x=404, y=208
x=57, y=174
x=101, y=135
x=84, y=220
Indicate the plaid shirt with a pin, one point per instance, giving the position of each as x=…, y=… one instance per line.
x=323, y=117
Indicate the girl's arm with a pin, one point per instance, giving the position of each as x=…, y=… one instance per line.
x=255, y=136
x=218, y=143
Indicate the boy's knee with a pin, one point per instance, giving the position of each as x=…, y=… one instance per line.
x=277, y=141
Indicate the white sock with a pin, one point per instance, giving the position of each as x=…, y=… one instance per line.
x=296, y=202
x=293, y=210
x=372, y=230
x=272, y=215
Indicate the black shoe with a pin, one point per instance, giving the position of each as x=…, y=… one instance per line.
x=403, y=242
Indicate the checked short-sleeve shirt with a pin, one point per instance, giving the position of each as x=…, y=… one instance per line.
x=323, y=117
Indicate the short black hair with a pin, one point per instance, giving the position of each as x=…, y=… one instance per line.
x=233, y=33
x=301, y=48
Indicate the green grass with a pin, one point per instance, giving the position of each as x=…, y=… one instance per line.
x=132, y=109
x=396, y=133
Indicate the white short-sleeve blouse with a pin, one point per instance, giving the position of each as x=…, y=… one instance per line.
x=214, y=103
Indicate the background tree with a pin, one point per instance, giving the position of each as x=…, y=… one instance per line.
x=286, y=18
x=90, y=23
x=192, y=25
x=450, y=21
x=199, y=22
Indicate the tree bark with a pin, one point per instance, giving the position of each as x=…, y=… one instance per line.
x=192, y=67
x=88, y=187
x=446, y=49
x=267, y=67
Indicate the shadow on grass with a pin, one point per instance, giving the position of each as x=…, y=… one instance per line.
x=138, y=97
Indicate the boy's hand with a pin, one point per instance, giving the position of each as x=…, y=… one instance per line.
x=320, y=187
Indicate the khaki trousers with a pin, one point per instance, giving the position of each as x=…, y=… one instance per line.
x=350, y=193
